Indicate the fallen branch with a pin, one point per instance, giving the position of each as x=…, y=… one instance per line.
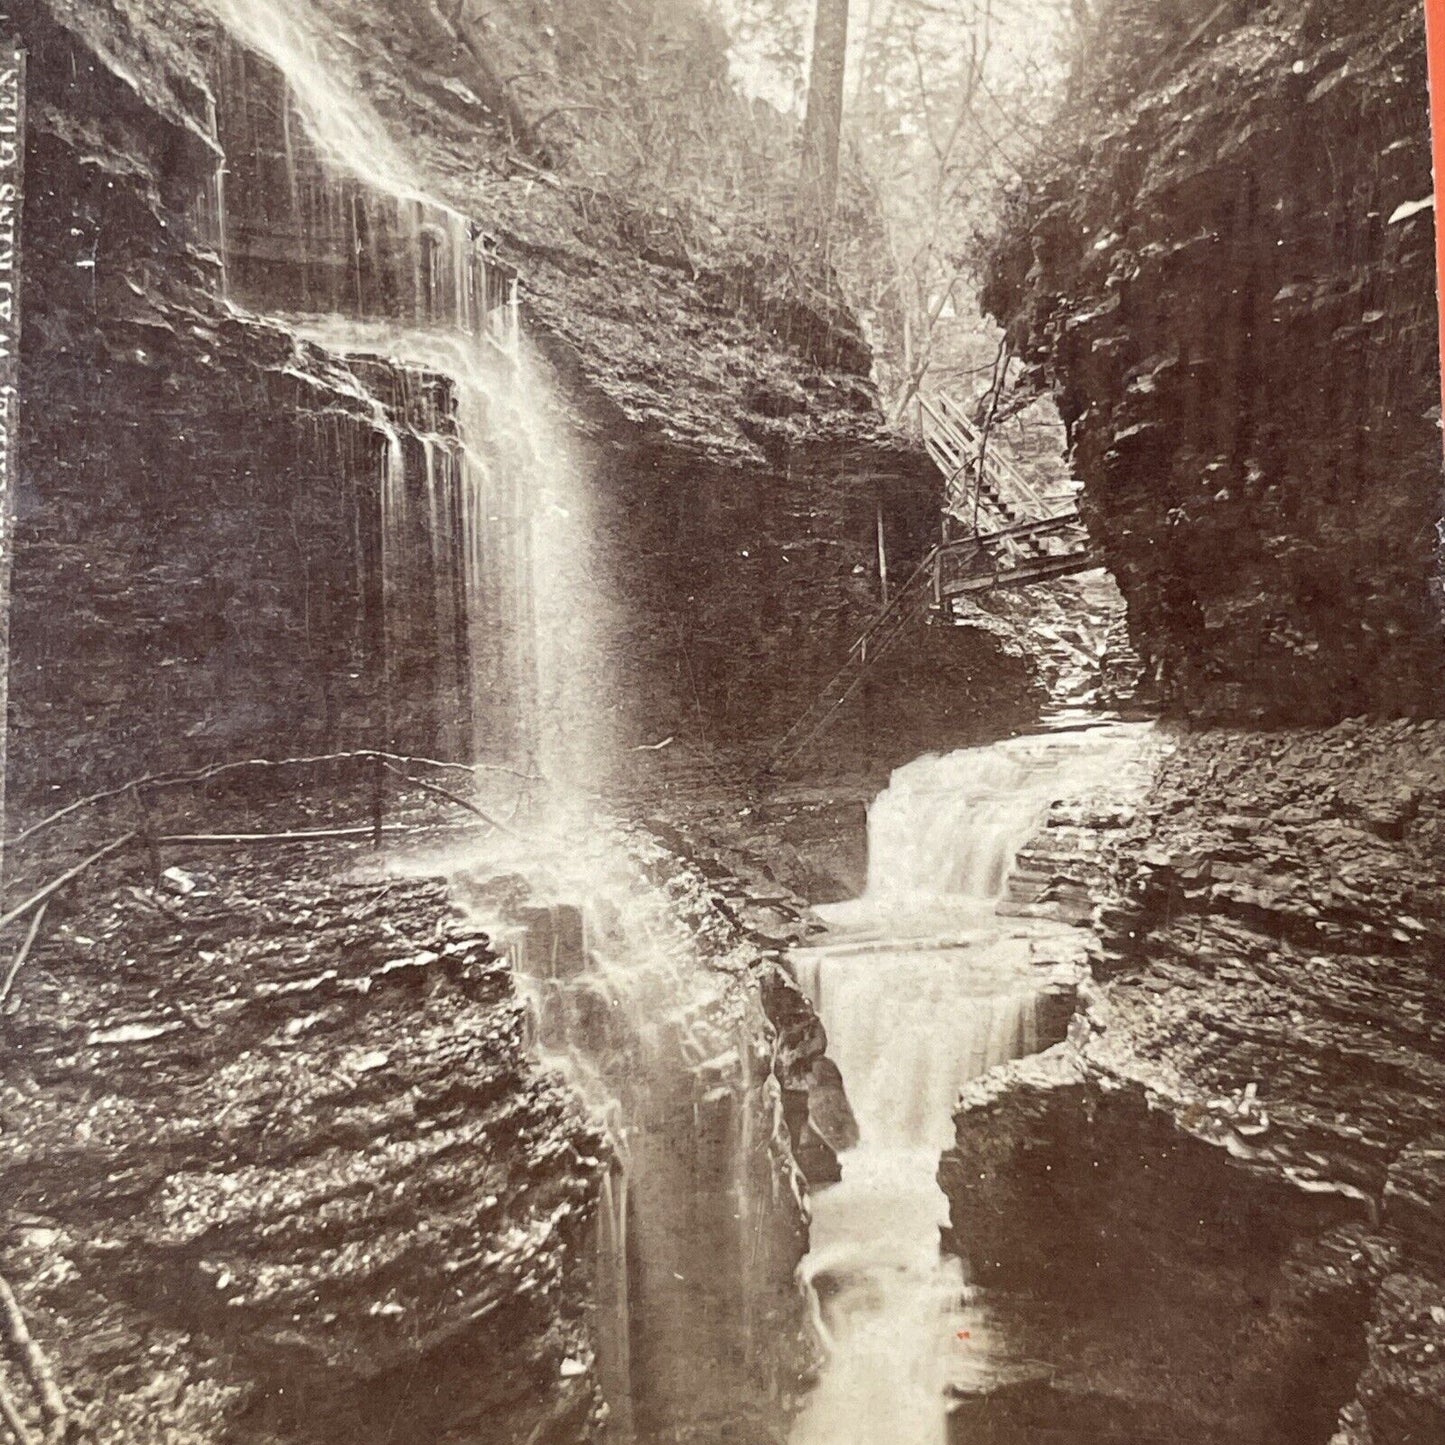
x=13, y=1421
x=451, y=798
x=300, y=835
x=21, y=954
x=69, y=876
x=37, y=1369
x=216, y=770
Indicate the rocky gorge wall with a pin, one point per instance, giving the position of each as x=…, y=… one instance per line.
x=1222, y=1189
x=209, y=557
x=1213, y=1208
x=159, y=430
x=280, y=1159
x=1227, y=281
x=290, y=1172
x=283, y=1159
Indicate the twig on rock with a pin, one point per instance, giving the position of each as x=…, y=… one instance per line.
x=21, y=954
x=13, y=1421
x=32, y=1361
x=217, y=770
x=301, y=835
x=69, y=876
x=451, y=798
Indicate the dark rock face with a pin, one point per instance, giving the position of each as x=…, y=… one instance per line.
x=223, y=545
x=290, y=1171
x=1221, y=1190
x=1234, y=300
x=1228, y=1178
x=200, y=566
x=742, y=593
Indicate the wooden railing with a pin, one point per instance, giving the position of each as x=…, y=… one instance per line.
x=975, y=470
x=143, y=829
x=1040, y=550
x=1016, y=556
x=907, y=605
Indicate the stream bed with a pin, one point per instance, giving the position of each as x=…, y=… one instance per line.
x=921, y=986
x=718, y=1275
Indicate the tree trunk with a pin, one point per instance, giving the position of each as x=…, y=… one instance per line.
x=823, y=123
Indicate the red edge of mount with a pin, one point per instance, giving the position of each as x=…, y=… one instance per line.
x=1435, y=47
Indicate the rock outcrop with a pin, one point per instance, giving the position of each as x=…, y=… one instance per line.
x=240, y=533
x=1226, y=1180
x=277, y=1164
x=1227, y=277
x=282, y=1160
x=667, y=1016
x=1214, y=1204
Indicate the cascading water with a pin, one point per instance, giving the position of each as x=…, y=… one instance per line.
x=920, y=988
x=488, y=600
x=643, y=999
x=482, y=564
x=485, y=548
x=319, y=209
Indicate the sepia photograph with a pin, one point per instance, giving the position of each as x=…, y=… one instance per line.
x=722, y=722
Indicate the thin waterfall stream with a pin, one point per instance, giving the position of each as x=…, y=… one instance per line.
x=921, y=986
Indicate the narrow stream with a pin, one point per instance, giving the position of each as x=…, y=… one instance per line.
x=921, y=986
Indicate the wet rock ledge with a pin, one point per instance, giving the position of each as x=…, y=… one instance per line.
x=276, y=1165
x=1219, y=1202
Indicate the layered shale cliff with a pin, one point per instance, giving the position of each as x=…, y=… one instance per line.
x=235, y=540
x=1225, y=1180
x=1219, y=1199
x=1228, y=282
x=277, y=1163
x=280, y=1160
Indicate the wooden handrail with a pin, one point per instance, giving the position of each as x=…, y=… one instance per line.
x=958, y=446
x=1039, y=527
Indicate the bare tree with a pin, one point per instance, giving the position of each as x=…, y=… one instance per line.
x=952, y=100
x=823, y=121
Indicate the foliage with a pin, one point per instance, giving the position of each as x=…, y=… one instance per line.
x=948, y=101
x=677, y=127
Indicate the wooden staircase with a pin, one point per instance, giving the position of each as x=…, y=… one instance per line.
x=1016, y=556
x=908, y=606
x=978, y=477
x=1030, y=537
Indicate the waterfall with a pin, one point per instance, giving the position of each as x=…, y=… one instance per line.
x=920, y=988
x=613, y=1330
x=947, y=828
x=479, y=539
x=666, y=1042
x=321, y=210
x=484, y=567
x=504, y=498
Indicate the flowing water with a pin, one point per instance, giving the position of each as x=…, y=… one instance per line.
x=484, y=563
x=488, y=588
x=922, y=986
x=641, y=996
x=486, y=554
